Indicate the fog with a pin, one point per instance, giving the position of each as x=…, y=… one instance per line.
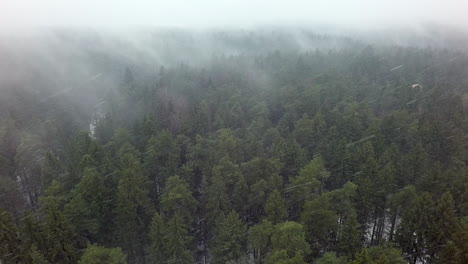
x=233, y=131
x=229, y=13
x=73, y=52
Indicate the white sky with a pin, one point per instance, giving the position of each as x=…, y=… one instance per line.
x=220, y=13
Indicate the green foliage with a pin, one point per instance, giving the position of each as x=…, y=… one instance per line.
x=36, y=256
x=362, y=257
x=156, y=235
x=230, y=239
x=50, y=170
x=100, y=255
x=307, y=184
x=177, y=199
x=338, y=141
x=290, y=236
x=86, y=208
x=260, y=239
x=386, y=255
x=320, y=223
x=349, y=237
x=59, y=239
x=282, y=257
x=455, y=250
x=330, y=258
x=133, y=207
x=177, y=242
x=414, y=234
x=10, y=242
x=275, y=208
x=161, y=159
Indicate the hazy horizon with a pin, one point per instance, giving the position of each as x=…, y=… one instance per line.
x=27, y=14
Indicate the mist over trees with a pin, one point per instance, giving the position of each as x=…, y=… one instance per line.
x=262, y=146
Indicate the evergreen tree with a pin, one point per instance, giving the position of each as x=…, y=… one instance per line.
x=386, y=254
x=177, y=199
x=288, y=244
x=177, y=242
x=282, y=257
x=445, y=225
x=362, y=257
x=307, y=184
x=94, y=254
x=133, y=208
x=304, y=133
x=86, y=209
x=51, y=169
x=230, y=240
x=349, y=238
x=320, y=224
x=32, y=235
x=414, y=234
x=455, y=250
x=161, y=160
x=59, y=239
x=10, y=249
x=330, y=258
x=36, y=257
x=260, y=239
x=156, y=235
x=275, y=208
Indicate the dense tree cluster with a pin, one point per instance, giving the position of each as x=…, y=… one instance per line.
x=353, y=155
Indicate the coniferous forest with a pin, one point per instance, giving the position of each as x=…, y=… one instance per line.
x=252, y=147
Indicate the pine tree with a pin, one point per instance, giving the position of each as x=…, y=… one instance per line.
x=320, y=224
x=455, y=250
x=445, y=225
x=362, y=257
x=275, y=208
x=400, y=203
x=260, y=239
x=306, y=185
x=59, y=239
x=290, y=236
x=177, y=242
x=10, y=249
x=414, y=234
x=282, y=257
x=239, y=191
x=177, y=199
x=51, y=169
x=331, y=258
x=291, y=155
x=304, y=133
x=33, y=238
x=386, y=255
x=94, y=254
x=349, y=238
x=161, y=160
x=230, y=240
x=36, y=257
x=217, y=199
x=133, y=208
x=86, y=209
x=156, y=235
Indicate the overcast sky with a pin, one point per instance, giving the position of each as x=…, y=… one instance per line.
x=220, y=13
